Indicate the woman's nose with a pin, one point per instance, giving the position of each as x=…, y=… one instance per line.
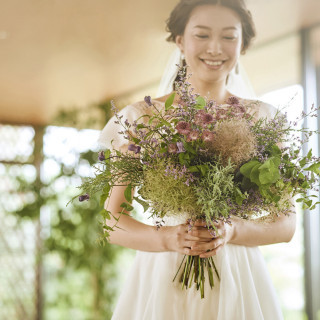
x=214, y=47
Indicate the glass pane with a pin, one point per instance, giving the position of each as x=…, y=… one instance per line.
x=286, y=260
x=16, y=143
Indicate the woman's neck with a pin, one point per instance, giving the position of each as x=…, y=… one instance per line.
x=216, y=91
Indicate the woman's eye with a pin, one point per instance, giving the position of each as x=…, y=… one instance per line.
x=201, y=36
x=229, y=38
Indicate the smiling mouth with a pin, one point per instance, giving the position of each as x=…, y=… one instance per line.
x=211, y=63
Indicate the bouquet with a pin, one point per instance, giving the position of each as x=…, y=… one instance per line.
x=207, y=161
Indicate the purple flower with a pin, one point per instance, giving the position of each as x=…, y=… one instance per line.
x=84, y=197
x=180, y=147
x=207, y=118
x=193, y=135
x=101, y=156
x=198, y=117
x=207, y=136
x=134, y=148
x=203, y=118
x=221, y=114
x=183, y=127
x=147, y=100
x=233, y=100
x=127, y=123
x=239, y=110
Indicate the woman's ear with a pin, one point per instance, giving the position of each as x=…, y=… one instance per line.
x=180, y=42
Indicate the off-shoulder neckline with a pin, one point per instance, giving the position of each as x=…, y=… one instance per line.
x=246, y=102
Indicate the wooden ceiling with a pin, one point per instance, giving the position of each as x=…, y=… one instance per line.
x=57, y=53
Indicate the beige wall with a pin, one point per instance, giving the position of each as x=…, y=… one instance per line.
x=57, y=53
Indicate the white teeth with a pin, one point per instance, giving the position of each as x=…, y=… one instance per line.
x=213, y=63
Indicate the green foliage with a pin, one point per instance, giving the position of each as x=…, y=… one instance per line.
x=70, y=248
x=169, y=102
x=73, y=237
x=214, y=189
x=165, y=193
x=94, y=116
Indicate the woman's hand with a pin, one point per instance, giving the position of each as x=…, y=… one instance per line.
x=197, y=239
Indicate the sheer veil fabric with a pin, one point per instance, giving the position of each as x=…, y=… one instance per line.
x=245, y=291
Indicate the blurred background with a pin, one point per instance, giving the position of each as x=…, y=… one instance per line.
x=61, y=63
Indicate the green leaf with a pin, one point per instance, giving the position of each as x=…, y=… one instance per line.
x=103, y=198
x=201, y=101
x=314, y=168
x=254, y=175
x=239, y=196
x=184, y=158
x=303, y=162
x=194, y=169
x=107, y=153
x=169, y=101
x=276, y=198
x=275, y=150
x=144, y=204
x=305, y=185
x=165, y=123
x=247, y=167
x=203, y=169
x=141, y=126
x=269, y=171
x=269, y=176
x=309, y=155
x=265, y=192
x=246, y=184
x=189, y=148
x=107, y=228
x=151, y=119
x=128, y=193
x=307, y=204
x=135, y=140
x=107, y=188
x=280, y=184
x=314, y=205
x=105, y=214
x=126, y=206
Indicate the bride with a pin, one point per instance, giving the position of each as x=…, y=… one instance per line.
x=211, y=35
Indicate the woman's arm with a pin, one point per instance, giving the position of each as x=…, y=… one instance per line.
x=133, y=234
x=244, y=232
x=251, y=233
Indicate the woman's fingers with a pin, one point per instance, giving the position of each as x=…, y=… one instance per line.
x=199, y=240
x=195, y=248
x=211, y=253
x=202, y=232
x=209, y=245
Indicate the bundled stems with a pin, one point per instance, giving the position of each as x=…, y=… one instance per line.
x=194, y=271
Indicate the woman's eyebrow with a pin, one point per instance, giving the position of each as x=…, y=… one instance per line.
x=208, y=28
x=202, y=27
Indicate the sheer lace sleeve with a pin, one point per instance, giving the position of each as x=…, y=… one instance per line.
x=260, y=109
x=266, y=110
x=110, y=138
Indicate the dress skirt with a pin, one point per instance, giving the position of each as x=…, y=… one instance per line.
x=245, y=291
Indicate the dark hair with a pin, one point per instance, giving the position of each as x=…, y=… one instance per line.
x=179, y=18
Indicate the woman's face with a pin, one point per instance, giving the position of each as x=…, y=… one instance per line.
x=211, y=42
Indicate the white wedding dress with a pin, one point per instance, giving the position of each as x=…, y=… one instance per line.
x=245, y=291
